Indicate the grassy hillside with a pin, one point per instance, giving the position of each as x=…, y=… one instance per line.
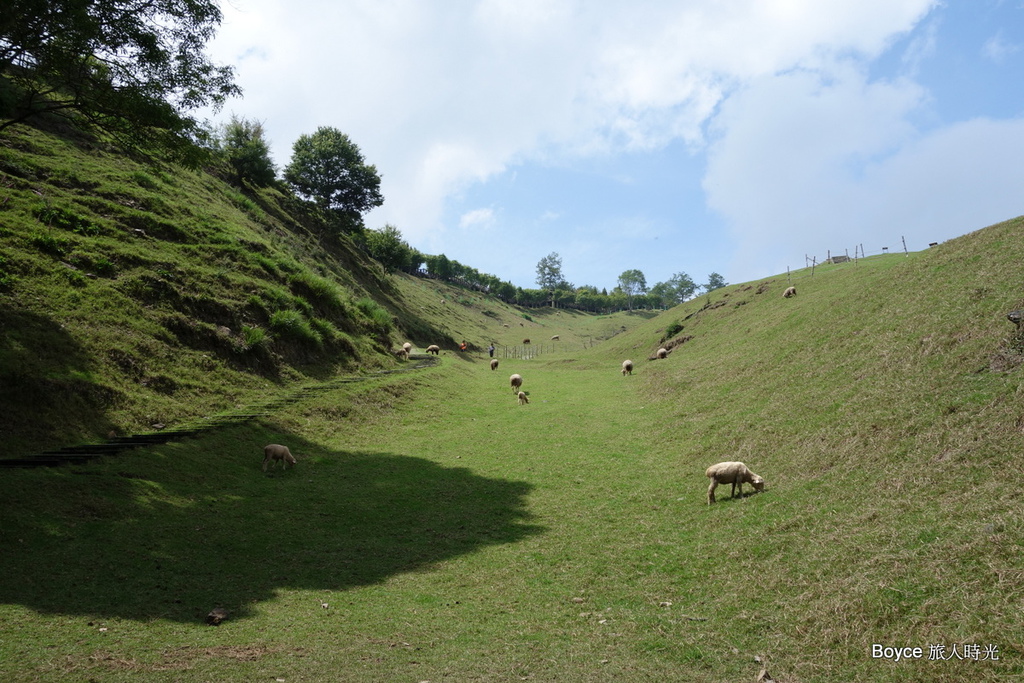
x=134, y=294
x=435, y=529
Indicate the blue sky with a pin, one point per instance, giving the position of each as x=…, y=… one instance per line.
x=698, y=136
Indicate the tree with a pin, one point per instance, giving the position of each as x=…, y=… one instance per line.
x=329, y=169
x=387, y=247
x=130, y=69
x=632, y=282
x=715, y=281
x=549, y=274
x=676, y=290
x=245, y=148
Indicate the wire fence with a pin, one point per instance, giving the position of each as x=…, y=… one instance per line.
x=812, y=263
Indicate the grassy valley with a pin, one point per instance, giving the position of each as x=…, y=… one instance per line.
x=433, y=528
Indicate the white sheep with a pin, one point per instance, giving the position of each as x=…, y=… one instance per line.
x=627, y=367
x=516, y=381
x=434, y=349
x=522, y=398
x=494, y=364
x=662, y=353
x=275, y=452
x=555, y=338
x=790, y=291
x=408, y=347
x=735, y=473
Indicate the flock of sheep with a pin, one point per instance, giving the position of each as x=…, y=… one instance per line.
x=732, y=472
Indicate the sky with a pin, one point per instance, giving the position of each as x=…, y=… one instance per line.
x=740, y=137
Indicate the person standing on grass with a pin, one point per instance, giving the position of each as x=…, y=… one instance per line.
x=490, y=350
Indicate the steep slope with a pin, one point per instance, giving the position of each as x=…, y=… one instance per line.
x=133, y=295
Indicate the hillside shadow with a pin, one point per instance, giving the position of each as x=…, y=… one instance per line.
x=123, y=545
x=47, y=392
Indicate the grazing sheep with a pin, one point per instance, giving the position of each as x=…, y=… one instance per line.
x=526, y=341
x=402, y=353
x=516, y=381
x=277, y=452
x=408, y=347
x=494, y=364
x=434, y=349
x=627, y=367
x=735, y=473
x=555, y=338
x=662, y=353
x=790, y=291
x=522, y=398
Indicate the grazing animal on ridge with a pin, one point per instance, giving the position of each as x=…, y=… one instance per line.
x=627, y=367
x=275, y=452
x=790, y=291
x=735, y=473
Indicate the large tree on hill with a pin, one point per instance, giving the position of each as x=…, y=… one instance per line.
x=244, y=146
x=549, y=275
x=130, y=68
x=631, y=283
x=715, y=281
x=329, y=169
x=675, y=290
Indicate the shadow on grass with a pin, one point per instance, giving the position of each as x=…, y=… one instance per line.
x=165, y=535
x=48, y=395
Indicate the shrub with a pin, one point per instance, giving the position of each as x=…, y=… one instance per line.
x=50, y=243
x=672, y=330
x=293, y=325
x=376, y=314
x=254, y=339
x=318, y=289
x=65, y=219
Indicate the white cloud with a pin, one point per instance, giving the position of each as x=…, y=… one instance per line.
x=998, y=49
x=443, y=95
x=477, y=219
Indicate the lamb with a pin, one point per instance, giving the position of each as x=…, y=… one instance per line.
x=434, y=349
x=275, y=452
x=402, y=353
x=662, y=353
x=735, y=473
x=494, y=364
x=627, y=367
x=790, y=291
x=516, y=381
x=522, y=398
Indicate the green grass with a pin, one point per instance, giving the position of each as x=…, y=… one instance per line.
x=453, y=534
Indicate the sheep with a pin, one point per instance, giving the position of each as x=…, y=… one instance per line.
x=516, y=381
x=402, y=354
x=526, y=341
x=735, y=473
x=434, y=349
x=627, y=367
x=790, y=291
x=408, y=347
x=494, y=364
x=555, y=338
x=522, y=398
x=662, y=353
x=277, y=452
